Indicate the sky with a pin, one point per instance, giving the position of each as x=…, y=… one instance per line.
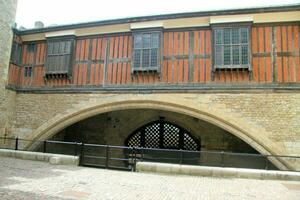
x=75, y=11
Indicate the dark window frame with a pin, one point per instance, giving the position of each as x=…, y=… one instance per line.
x=28, y=71
x=232, y=26
x=66, y=45
x=16, y=53
x=158, y=48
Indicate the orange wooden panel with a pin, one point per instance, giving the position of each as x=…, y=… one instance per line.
x=284, y=38
x=202, y=41
x=296, y=38
x=180, y=71
x=170, y=80
x=255, y=69
x=261, y=70
x=186, y=71
x=279, y=69
x=111, y=47
x=297, y=64
x=170, y=44
x=116, y=46
x=268, y=38
x=175, y=43
x=202, y=69
x=109, y=73
x=196, y=72
x=261, y=39
x=130, y=46
x=292, y=67
x=92, y=74
x=87, y=49
x=186, y=43
x=208, y=42
x=181, y=43
x=82, y=49
x=290, y=38
x=165, y=44
x=94, y=48
x=196, y=42
x=278, y=39
x=128, y=75
x=119, y=72
x=254, y=40
x=269, y=74
x=175, y=72
x=125, y=54
x=80, y=74
x=164, y=70
x=43, y=53
x=103, y=47
x=285, y=69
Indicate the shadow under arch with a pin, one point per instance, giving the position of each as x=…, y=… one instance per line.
x=61, y=121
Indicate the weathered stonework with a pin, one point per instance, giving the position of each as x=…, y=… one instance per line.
x=268, y=121
x=7, y=97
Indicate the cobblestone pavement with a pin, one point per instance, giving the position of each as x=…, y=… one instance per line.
x=20, y=179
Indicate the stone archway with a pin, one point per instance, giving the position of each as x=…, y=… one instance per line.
x=247, y=133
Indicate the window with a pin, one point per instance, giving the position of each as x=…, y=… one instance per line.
x=27, y=71
x=16, y=53
x=58, y=60
x=30, y=47
x=231, y=47
x=146, y=55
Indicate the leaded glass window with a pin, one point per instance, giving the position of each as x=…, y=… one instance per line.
x=231, y=47
x=146, y=51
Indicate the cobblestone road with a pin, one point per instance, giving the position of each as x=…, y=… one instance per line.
x=30, y=180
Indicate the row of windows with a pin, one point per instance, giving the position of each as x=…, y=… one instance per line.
x=230, y=50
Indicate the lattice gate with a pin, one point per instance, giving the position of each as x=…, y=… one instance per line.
x=163, y=135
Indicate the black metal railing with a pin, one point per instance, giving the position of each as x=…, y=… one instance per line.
x=125, y=158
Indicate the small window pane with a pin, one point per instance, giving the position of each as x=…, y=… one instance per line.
x=227, y=55
x=137, y=58
x=146, y=58
x=137, y=41
x=245, y=55
x=154, y=58
x=146, y=41
x=236, y=55
x=154, y=40
x=226, y=36
x=218, y=55
x=244, y=35
x=235, y=36
x=218, y=36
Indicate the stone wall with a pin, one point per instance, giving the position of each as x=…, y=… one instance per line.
x=7, y=98
x=268, y=121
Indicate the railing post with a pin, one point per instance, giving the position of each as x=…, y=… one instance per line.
x=266, y=162
x=44, y=147
x=107, y=157
x=17, y=143
x=134, y=159
x=181, y=155
x=142, y=154
x=81, y=158
x=75, y=149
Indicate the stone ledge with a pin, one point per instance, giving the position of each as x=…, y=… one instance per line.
x=55, y=159
x=217, y=171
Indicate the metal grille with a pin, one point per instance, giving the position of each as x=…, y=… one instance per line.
x=190, y=143
x=135, y=140
x=152, y=136
x=171, y=137
x=163, y=135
